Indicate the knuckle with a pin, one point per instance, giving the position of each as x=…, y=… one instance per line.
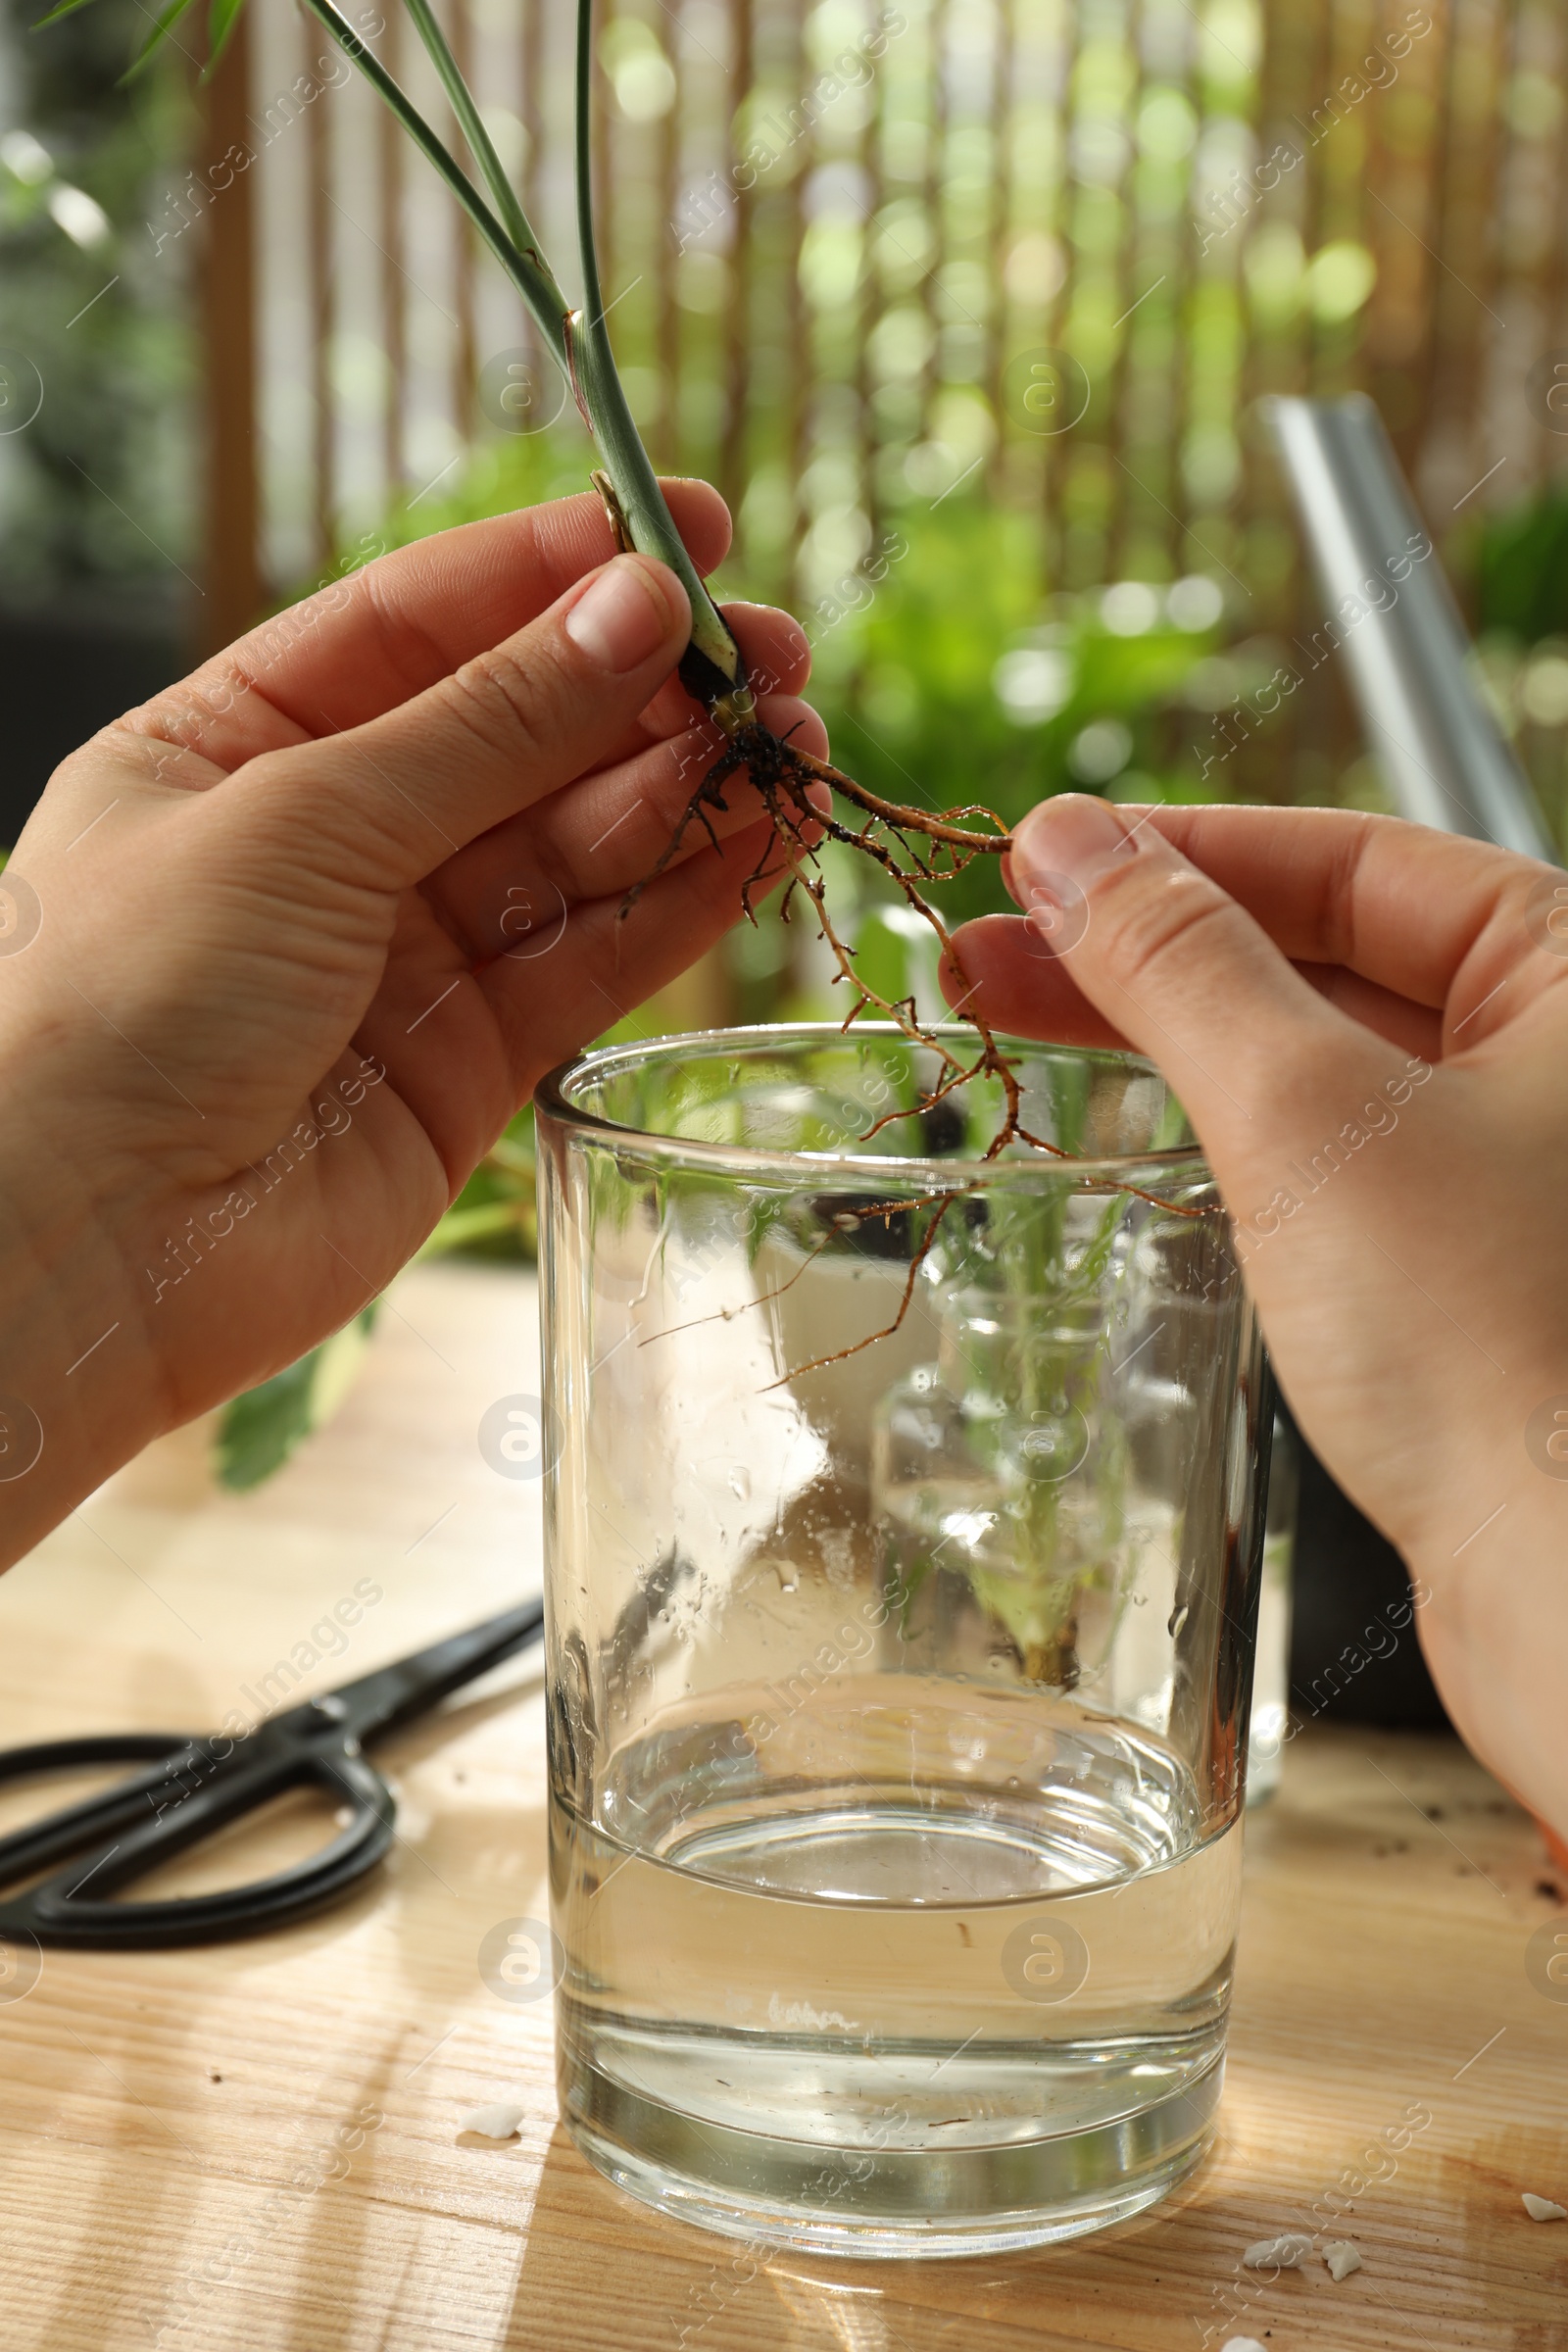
x=403, y=637
x=499, y=700
x=1156, y=919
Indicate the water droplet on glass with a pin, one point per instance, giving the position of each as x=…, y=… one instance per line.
x=740, y=1483
x=787, y=1578
x=1177, y=1619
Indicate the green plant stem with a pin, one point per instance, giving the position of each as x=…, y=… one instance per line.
x=523, y=267
x=718, y=675
x=713, y=667
x=513, y=220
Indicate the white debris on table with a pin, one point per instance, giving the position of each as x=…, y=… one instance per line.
x=1541, y=2209
x=1341, y=2258
x=1243, y=2343
x=1286, y=2253
x=493, y=2123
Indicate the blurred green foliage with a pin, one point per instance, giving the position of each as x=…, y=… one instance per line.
x=496, y=1213
x=100, y=486
x=957, y=679
x=1522, y=569
x=500, y=476
x=259, y=1431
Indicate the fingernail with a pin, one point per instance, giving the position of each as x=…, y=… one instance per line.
x=1070, y=835
x=623, y=617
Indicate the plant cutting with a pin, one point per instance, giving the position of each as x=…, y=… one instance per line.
x=911, y=847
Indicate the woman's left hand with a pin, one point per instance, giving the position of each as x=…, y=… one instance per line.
x=291, y=944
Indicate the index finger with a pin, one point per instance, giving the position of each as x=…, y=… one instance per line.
x=360, y=646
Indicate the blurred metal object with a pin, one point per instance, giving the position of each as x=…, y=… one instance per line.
x=1270, y=1725
x=1446, y=758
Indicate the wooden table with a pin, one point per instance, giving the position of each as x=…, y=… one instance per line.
x=257, y=2145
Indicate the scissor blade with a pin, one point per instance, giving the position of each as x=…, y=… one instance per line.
x=411, y=1684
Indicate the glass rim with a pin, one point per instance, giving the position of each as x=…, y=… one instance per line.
x=1177, y=1162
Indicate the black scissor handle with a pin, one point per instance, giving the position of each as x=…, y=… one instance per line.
x=62, y=1911
x=189, y=1787
x=128, y=1803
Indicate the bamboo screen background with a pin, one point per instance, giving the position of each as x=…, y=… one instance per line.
x=980, y=217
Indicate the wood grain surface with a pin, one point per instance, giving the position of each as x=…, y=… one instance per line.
x=258, y=2145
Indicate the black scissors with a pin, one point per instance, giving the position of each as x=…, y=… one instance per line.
x=193, y=1786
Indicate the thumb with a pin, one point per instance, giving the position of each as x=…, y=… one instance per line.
x=1177, y=966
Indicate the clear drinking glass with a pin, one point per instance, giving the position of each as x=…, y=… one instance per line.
x=899, y=1684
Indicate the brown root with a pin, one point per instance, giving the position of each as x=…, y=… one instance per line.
x=782, y=776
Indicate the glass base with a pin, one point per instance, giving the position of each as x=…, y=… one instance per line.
x=887, y=2203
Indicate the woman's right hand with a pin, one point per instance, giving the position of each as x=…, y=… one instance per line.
x=1368, y=1025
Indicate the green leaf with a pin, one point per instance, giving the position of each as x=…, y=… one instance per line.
x=460, y=1227
x=221, y=18
x=66, y=8
x=261, y=1429
x=579, y=341
x=525, y=267
x=481, y=146
x=162, y=26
